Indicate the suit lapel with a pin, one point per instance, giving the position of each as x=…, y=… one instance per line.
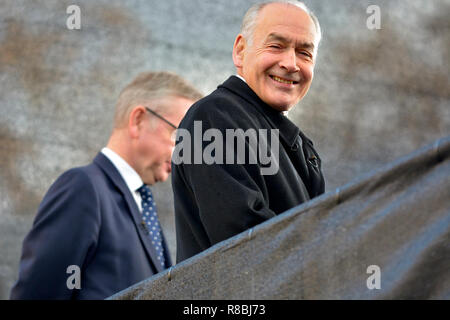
x=106, y=165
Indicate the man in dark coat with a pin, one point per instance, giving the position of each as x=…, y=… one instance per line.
x=239, y=160
x=97, y=231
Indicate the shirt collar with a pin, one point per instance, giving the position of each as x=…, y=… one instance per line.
x=240, y=77
x=131, y=177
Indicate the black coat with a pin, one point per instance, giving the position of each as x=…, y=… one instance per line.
x=216, y=201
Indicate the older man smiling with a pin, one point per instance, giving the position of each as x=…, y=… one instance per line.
x=274, y=55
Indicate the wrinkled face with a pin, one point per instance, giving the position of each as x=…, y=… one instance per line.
x=157, y=140
x=279, y=63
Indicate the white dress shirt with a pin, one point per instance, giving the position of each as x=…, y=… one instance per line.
x=129, y=175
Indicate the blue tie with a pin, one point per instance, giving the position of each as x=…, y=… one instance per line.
x=150, y=218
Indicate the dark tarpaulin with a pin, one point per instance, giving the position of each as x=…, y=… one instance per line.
x=397, y=218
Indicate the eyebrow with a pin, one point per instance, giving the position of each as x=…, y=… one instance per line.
x=278, y=37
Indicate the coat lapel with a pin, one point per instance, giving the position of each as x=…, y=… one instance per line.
x=305, y=159
x=106, y=165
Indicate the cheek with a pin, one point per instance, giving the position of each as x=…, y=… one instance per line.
x=259, y=62
x=308, y=72
x=164, y=152
x=267, y=62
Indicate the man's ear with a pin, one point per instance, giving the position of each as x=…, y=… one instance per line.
x=239, y=51
x=136, y=120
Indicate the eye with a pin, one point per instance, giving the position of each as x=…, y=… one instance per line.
x=305, y=54
x=275, y=46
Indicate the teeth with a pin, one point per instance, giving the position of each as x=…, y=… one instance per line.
x=282, y=80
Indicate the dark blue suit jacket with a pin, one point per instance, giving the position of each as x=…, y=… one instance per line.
x=88, y=218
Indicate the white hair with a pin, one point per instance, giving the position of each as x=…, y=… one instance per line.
x=250, y=18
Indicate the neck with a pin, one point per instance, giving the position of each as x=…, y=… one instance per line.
x=117, y=143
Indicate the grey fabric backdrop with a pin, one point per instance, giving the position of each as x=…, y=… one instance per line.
x=376, y=94
x=397, y=218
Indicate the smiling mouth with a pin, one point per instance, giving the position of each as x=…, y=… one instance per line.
x=281, y=80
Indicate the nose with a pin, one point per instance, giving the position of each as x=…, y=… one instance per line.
x=289, y=61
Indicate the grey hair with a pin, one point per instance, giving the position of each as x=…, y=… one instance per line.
x=148, y=87
x=250, y=18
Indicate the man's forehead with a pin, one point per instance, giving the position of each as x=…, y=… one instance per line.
x=282, y=15
x=275, y=9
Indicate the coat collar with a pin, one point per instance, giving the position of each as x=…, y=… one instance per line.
x=289, y=132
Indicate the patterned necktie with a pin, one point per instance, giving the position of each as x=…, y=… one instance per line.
x=150, y=218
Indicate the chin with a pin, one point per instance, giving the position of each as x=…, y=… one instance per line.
x=282, y=103
x=162, y=178
x=282, y=106
x=150, y=179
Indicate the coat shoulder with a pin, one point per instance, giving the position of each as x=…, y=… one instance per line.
x=79, y=176
x=220, y=109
